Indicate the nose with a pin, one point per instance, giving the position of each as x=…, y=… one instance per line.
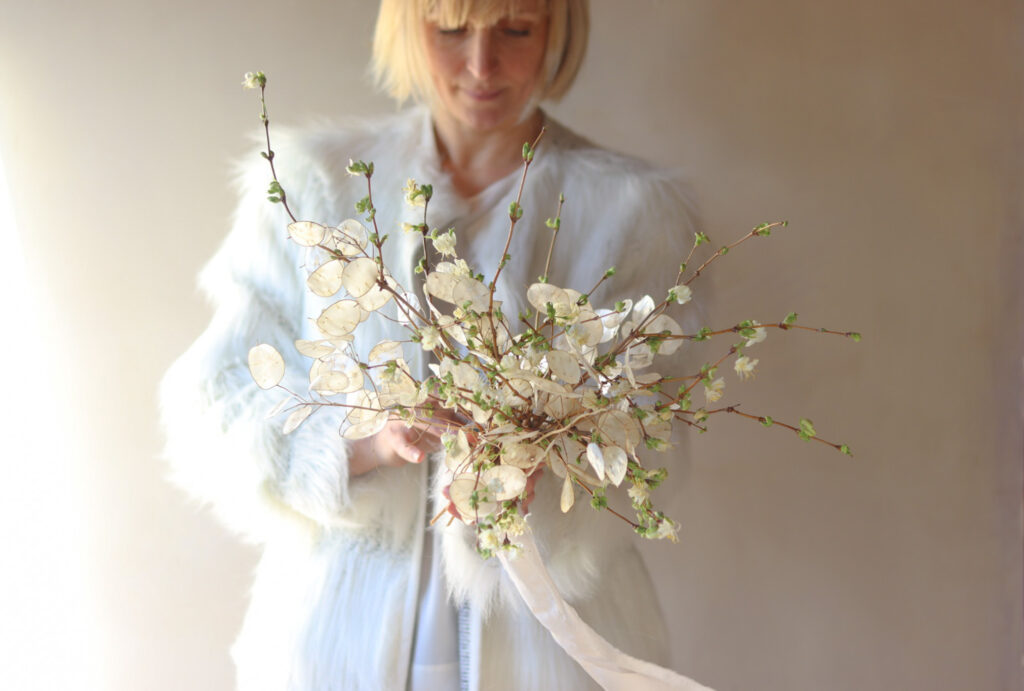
x=483, y=56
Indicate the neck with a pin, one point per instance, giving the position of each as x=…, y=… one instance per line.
x=476, y=158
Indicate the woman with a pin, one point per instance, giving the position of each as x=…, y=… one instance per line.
x=353, y=589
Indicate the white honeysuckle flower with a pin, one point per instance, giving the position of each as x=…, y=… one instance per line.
x=667, y=530
x=252, y=80
x=430, y=338
x=489, y=539
x=514, y=524
x=744, y=367
x=408, y=227
x=639, y=493
x=682, y=294
x=444, y=244
x=714, y=391
x=351, y=169
x=760, y=333
x=411, y=198
x=655, y=444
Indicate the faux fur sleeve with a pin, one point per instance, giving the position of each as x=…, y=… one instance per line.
x=222, y=447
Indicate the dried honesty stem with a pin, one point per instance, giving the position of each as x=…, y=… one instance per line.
x=568, y=386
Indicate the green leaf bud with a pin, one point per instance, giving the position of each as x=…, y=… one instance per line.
x=806, y=427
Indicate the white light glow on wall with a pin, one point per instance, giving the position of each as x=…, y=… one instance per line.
x=45, y=637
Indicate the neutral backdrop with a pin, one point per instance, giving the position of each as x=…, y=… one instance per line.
x=888, y=132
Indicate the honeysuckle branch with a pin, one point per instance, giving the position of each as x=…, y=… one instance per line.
x=515, y=212
x=704, y=335
x=762, y=230
x=277, y=193
x=607, y=508
x=769, y=421
x=555, y=225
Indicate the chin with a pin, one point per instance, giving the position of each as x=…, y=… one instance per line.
x=490, y=116
x=486, y=122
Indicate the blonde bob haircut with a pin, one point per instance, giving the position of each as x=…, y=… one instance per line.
x=399, y=57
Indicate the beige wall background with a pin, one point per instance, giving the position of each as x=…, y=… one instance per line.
x=887, y=132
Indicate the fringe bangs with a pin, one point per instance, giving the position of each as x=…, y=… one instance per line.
x=451, y=14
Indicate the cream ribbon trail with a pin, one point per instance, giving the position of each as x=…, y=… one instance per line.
x=607, y=665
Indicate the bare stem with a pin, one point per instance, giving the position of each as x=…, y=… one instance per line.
x=269, y=154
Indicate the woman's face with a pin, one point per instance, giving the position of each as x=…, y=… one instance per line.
x=484, y=75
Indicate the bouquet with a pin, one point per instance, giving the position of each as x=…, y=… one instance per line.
x=568, y=386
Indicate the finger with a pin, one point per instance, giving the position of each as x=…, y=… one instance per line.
x=436, y=426
x=409, y=453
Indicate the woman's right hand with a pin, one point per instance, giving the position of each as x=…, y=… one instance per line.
x=398, y=443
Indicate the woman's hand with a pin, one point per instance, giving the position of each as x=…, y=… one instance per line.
x=398, y=443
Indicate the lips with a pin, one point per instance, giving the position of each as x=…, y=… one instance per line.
x=482, y=95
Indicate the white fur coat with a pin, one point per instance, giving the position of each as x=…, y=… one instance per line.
x=335, y=594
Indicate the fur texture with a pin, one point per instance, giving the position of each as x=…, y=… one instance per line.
x=334, y=600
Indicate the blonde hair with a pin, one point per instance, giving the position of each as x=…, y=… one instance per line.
x=399, y=59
